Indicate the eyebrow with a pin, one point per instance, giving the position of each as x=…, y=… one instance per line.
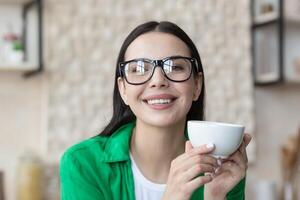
x=176, y=55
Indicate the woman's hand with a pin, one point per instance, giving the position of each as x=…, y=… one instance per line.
x=231, y=171
x=184, y=172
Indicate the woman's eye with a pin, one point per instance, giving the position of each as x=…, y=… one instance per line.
x=137, y=70
x=177, y=68
x=133, y=70
x=140, y=68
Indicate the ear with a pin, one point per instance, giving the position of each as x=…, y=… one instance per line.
x=122, y=90
x=198, y=86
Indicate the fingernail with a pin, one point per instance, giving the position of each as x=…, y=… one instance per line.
x=217, y=170
x=209, y=175
x=210, y=145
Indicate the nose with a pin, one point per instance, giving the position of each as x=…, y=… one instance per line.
x=158, y=78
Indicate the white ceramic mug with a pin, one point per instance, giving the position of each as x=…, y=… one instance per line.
x=226, y=137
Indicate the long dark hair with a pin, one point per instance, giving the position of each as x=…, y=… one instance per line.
x=122, y=113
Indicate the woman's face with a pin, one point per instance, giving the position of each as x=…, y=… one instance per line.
x=159, y=102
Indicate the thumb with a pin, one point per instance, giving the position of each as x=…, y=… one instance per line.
x=247, y=139
x=188, y=146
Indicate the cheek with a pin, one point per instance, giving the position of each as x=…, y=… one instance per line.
x=133, y=95
x=187, y=93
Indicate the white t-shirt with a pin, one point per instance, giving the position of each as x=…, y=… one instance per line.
x=144, y=189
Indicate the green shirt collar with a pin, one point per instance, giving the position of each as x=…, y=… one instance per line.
x=118, y=144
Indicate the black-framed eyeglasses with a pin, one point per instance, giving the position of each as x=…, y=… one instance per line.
x=175, y=68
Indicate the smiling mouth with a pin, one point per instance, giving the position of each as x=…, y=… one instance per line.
x=158, y=101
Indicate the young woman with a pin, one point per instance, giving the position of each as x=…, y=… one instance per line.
x=144, y=152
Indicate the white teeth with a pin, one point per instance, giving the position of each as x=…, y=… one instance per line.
x=158, y=101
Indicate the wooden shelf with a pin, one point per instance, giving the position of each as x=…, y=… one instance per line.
x=294, y=19
x=267, y=77
x=15, y=1
x=276, y=42
x=28, y=15
x=17, y=67
x=266, y=18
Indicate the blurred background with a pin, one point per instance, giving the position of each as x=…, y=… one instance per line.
x=57, y=61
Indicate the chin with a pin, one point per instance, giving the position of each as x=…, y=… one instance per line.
x=163, y=123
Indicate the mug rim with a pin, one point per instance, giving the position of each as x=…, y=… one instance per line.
x=216, y=123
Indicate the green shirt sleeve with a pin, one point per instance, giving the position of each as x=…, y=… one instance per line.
x=238, y=192
x=74, y=185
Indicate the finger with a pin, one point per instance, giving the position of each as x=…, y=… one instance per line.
x=233, y=168
x=196, y=170
x=247, y=138
x=188, y=146
x=218, y=170
x=203, y=149
x=199, y=159
x=242, y=149
x=229, y=166
x=238, y=158
x=208, y=159
x=243, y=152
x=194, y=152
x=197, y=182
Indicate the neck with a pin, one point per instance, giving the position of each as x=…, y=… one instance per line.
x=154, y=148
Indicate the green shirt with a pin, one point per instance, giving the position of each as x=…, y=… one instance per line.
x=99, y=168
